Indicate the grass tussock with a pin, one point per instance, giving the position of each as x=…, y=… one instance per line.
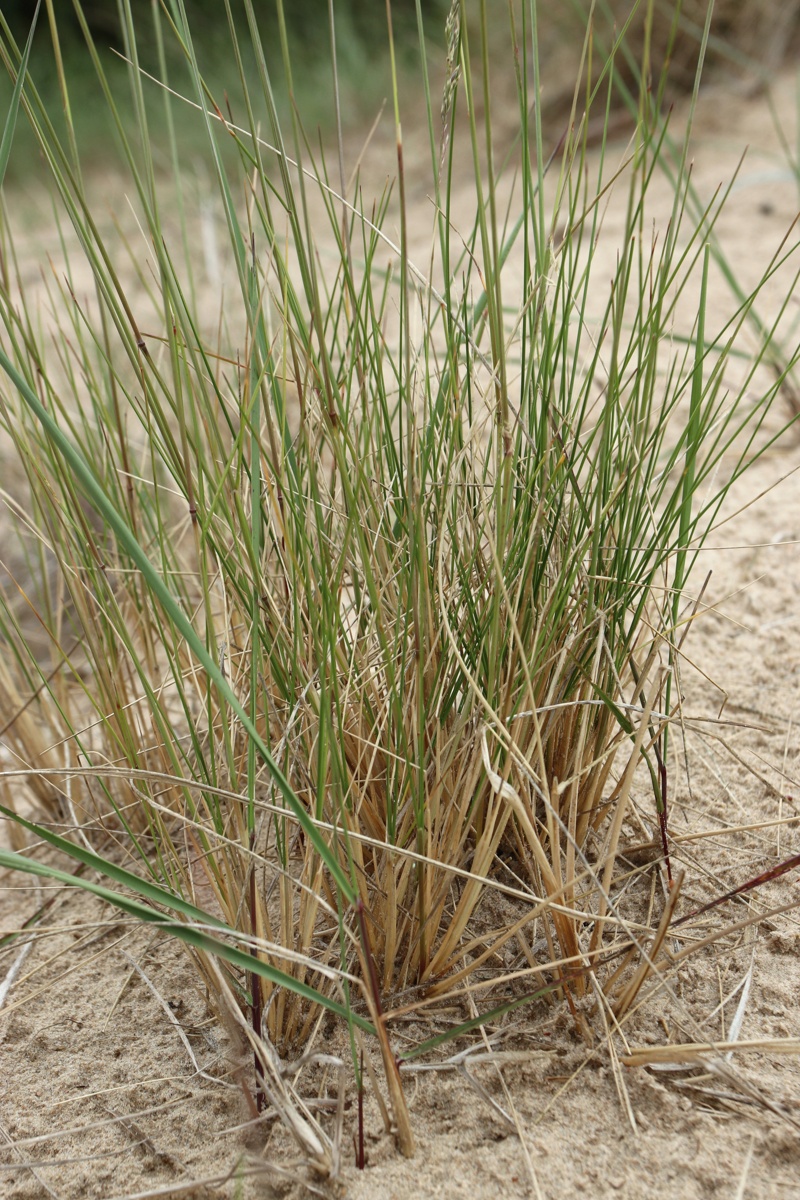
x=359, y=598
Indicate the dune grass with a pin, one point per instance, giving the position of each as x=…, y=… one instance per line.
x=361, y=585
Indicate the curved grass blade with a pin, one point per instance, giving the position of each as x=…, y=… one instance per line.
x=186, y=933
x=145, y=887
x=478, y=1022
x=95, y=494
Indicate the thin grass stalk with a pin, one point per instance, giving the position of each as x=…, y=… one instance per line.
x=434, y=607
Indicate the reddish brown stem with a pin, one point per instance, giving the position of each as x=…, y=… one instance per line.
x=765, y=877
x=662, y=810
x=256, y=1008
x=361, y=1160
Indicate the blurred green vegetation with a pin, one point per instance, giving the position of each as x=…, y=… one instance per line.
x=750, y=39
x=363, y=19
x=361, y=42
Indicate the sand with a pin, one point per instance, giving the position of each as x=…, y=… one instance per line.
x=116, y=1078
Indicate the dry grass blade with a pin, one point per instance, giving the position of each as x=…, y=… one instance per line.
x=691, y=1052
x=631, y=990
x=14, y=970
x=362, y=594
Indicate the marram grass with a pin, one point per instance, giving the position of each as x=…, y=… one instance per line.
x=360, y=598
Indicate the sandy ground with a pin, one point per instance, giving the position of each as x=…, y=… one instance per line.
x=116, y=1079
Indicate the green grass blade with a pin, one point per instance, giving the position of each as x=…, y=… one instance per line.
x=16, y=96
x=95, y=494
x=196, y=938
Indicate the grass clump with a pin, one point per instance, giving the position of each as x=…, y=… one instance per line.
x=361, y=593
